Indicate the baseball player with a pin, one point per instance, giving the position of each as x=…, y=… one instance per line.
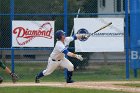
x=13, y=75
x=57, y=57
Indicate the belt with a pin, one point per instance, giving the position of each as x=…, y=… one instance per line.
x=56, y=60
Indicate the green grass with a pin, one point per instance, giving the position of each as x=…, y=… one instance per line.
x=27, y=71
x=52, y=90
x=101, y=72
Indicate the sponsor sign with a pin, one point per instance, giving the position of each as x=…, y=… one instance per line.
x=32, y=33
x=135, y=34
x=109, y=39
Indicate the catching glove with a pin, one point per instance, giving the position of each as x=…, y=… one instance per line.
x=14, y=77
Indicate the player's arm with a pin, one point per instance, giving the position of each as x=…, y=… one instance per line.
x=66, y=52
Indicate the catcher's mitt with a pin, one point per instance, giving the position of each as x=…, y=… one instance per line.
x=14, y=77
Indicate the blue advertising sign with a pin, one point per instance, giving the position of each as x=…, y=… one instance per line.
x=135, y=33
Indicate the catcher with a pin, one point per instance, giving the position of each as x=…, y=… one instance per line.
x=13, y=75
x=57, y=57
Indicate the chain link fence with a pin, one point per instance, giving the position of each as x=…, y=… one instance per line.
x=29, y=61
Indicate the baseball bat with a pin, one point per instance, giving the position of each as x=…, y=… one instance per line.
x=101, y=28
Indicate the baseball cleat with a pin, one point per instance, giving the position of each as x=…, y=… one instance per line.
x=37, y=80
x=1, y=79
x=70, y=81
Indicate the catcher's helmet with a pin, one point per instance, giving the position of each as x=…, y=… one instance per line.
x=59, y=34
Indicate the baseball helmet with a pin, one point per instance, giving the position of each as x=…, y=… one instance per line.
x=59, y=34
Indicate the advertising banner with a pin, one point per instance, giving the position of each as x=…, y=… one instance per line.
x=135, y=33
x=109, y=36
x=32, y=33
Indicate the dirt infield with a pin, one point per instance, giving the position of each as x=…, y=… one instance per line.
x=107, y=85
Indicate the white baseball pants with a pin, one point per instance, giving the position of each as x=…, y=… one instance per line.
x=52, y=65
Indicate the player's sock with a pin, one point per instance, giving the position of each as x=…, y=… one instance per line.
x=40, y=75
x=66, y=73
x=69, y=78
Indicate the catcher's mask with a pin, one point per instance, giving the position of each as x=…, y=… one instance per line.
x=59, y=34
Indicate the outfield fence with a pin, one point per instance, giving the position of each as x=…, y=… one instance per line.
x=27, y=62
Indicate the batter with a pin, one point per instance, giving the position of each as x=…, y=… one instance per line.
x=57, y=57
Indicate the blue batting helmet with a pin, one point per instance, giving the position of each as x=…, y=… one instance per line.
x=59, y=34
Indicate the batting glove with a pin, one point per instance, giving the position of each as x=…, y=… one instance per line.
x=85, y=36
x=79, y=57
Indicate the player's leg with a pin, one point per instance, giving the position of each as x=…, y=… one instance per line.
x=65, y=73
x=2, y=65
x=52, y=65
x=13, y=75
x=68, y=75
x=69, y=66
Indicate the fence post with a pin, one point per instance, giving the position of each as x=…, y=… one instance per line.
x=135, y=32
x=65, y=29
x=12, y=18
x=126, y=39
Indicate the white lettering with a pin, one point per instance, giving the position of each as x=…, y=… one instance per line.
x=134, y=55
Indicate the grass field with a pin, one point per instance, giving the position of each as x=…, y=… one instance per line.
x=27, y=71
x=35, y=89
x=106, y=72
